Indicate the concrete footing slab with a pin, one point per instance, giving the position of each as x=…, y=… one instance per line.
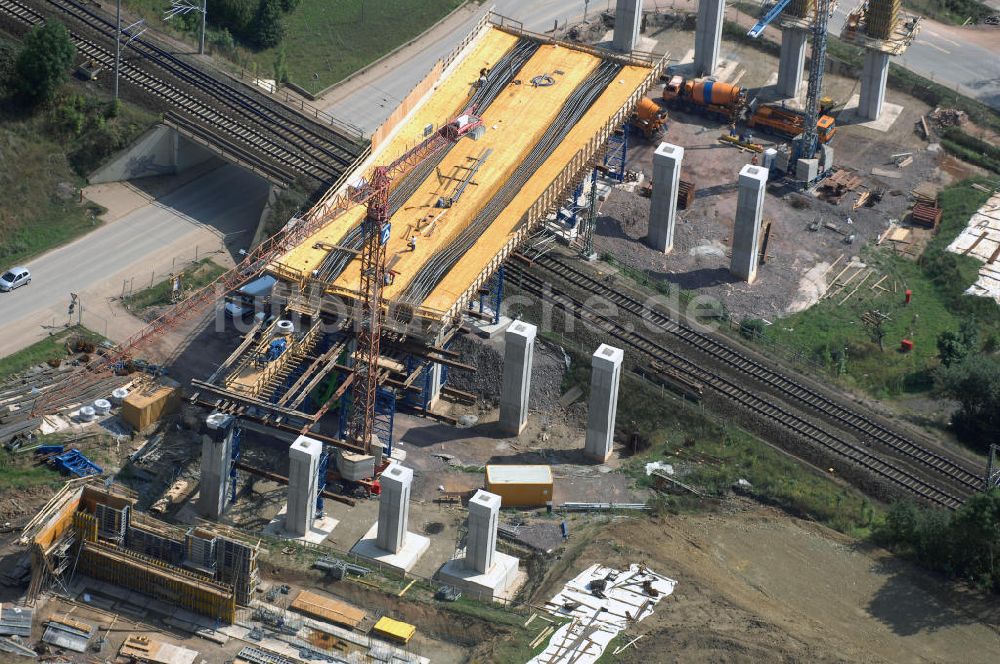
x=488, y=330
x=500, y=581
x=320, y=530
x=414, y=546
x=850, y=115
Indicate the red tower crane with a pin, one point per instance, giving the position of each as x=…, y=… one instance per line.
x=376, y=228
x=375, y=192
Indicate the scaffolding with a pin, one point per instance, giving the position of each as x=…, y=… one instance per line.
x=616, y=154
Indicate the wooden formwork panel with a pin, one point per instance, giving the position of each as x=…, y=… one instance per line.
x=546, y=186
x=447, y=101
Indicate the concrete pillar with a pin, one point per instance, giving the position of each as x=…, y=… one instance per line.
x=606, y=371
x=663, y=203
x=873, y=78
x=628, y=19
x=519, y=349
x=216, y=456
x=481, y=545
x=792, y=61
x=436, y=383
x=394, y=508
x=746, y=230
x=303, y=483
x=708, y=36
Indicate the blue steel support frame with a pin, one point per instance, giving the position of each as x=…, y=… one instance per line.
x=570, y=215
x=616, y=154
x=385, y=417
x=235, y=454
x=324, y=465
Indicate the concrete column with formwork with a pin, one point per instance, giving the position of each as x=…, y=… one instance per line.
x=216, y=457
x=792, y=61
x=708, y=36
x=605, y=376
x=874, y=74
x=663, y=203
x=628, y=20
x=303, y=483
x=484, y=517
x=746, y=229
x=518, y=354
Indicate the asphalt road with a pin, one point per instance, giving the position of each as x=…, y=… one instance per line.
x=225, y=201
x=368, y=106
x=939, y=53
x=944, y=54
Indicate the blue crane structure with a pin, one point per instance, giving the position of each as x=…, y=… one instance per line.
x=767, y=18
x=817, y=63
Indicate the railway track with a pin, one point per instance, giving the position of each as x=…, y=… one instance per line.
x=783, y=418
x=865, y=427
x=285, y=144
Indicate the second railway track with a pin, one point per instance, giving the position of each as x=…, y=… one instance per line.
x=790, y=389
x=826, y=441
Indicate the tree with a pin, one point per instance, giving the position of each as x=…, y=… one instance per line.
x=969, y=333
x=268, y=28
x=236, y=15
x=44, y=62
x=280, y=68
x=975, y=384
x=951, y=350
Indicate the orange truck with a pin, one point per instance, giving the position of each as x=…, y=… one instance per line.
x=788, y=123
x=649, y=117
x=712, y=98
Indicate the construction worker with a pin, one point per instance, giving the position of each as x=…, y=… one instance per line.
x=732, y=130
x=413, y=243
x=753, y=160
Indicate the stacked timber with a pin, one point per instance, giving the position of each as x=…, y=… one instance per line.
x=685, y=194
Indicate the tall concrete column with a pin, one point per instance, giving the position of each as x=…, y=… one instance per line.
x=519, y=349
x=606, y=371
x=394, y=508
x=216, y=456
x=481, y=545
x=746, y=230
x=663, y=203
x=708, y=36
x=792, y=61
x=873, y=78
x=628, y=19
x=303, y=484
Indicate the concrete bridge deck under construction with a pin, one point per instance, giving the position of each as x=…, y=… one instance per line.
x=520, y=118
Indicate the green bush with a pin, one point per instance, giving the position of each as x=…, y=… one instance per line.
x=964, y=544
x=268, y=28
x=44, y=61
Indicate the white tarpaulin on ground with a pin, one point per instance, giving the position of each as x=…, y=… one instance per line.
x=981, y=240
x=595, y=620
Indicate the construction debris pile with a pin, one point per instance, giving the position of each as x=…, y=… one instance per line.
x=948, y=117
x=600, y=602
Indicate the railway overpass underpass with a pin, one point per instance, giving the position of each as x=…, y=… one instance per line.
x=548, y=110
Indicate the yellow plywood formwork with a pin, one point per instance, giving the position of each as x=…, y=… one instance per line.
x=520, y=486
x=327, y=608
x=489, y=245
x=141, y=409
x=447, y=101
x=514, y=124
x=164, y=582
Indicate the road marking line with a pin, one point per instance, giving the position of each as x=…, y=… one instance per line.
x=935, y=46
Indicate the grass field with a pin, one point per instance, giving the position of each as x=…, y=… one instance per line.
x=324, y=41
x=52, y=148
x=327, y=41
x=50, y=348
x=194, y=277
x=938, y=282
x=950, y=11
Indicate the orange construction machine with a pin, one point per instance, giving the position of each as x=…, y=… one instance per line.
x=789, y=123
x=649, y=117
x=712, y=98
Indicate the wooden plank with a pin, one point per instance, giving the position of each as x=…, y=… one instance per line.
x=975, y=244
x=328, y=608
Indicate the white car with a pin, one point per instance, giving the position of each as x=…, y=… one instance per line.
x=14, y=278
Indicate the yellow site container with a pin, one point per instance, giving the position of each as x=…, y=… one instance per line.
x=394, y=630
x=520, y=486
x=141, y=409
